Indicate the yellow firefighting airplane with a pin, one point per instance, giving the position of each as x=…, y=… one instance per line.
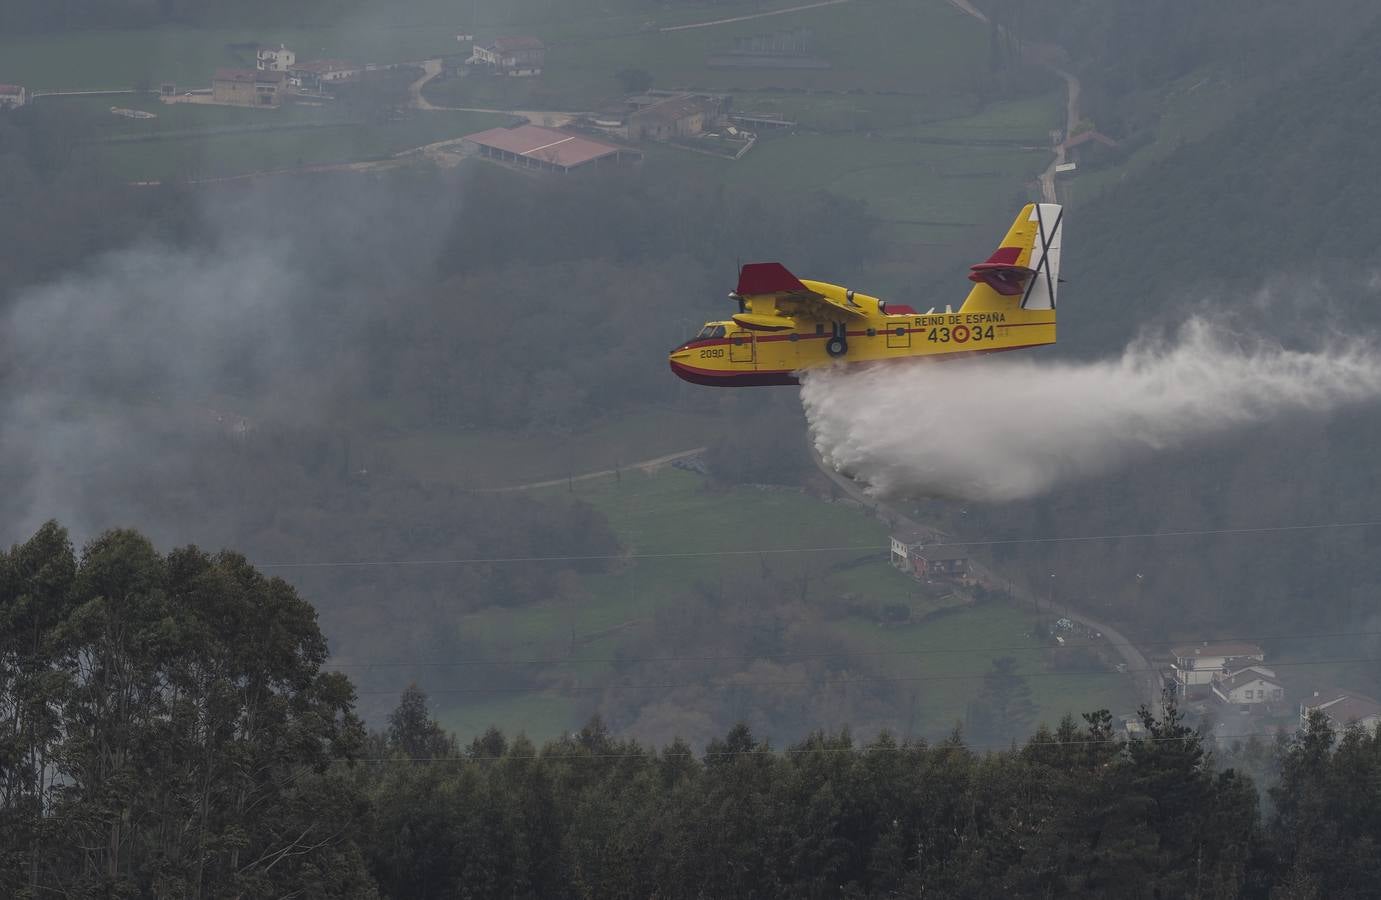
x=785, y=325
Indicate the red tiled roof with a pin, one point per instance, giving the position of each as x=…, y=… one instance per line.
x=516, y=42
x=547, y=145
x=247, y=76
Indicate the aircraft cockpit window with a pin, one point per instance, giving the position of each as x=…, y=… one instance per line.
x=718, y=332
x=709, y=332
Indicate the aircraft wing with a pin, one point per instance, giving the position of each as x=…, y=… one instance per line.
x=773, y=278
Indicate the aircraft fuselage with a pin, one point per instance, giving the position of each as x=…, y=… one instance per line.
x=771, y=345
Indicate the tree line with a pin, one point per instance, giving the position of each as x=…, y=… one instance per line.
x=167, y=729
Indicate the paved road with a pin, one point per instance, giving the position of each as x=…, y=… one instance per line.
x=646, y=465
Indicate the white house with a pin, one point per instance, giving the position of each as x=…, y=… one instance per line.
x=519, y=55
x=12, y=95
x=280, y=60
x=1196, y=665
x=1343, y=709
x=1249, y=685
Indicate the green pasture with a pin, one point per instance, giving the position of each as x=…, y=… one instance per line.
x=946, y=657
x=903, y=182
x=1027, y=121
x=857, y=112
x=928, y=182
x=945, y=653
x=927, y=50
x=123, y=59
x=900, y=44
x=195, y=141
x=490, y=459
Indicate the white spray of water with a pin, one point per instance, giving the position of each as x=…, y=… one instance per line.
x=1007, y=428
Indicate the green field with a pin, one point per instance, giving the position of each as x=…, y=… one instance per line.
x=890, y=123
x=117, y=60
x=947, y=656
x=487, y=459
x=928, y=51
x=199, y=141
x=589, y=42
x=672, y=511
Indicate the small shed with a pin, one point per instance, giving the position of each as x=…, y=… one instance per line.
x=12, y=96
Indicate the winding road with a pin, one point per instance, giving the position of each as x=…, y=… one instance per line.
x=646, y=465
x=431, y=68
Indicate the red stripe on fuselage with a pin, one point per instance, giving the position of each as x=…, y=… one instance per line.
x=767, y=377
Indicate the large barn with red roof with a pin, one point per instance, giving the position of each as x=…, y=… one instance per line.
x=535, y=147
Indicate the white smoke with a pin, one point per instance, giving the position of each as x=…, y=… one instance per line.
x=1007, y=428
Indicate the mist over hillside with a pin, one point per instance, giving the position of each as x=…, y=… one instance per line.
x=553, y=622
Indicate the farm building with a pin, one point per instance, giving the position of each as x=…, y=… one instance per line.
x=664, y=116
x=319, y=73
x=12, y=95
x=911, y=555
x=271, y=60
x=519, y=56
x=532, y=146
x=248, y=87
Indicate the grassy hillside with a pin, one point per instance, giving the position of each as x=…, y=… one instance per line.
x=589, y=653
x=198, y=141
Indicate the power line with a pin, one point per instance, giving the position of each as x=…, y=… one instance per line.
x=771, y=551
x=831, y=682
x=777, y=657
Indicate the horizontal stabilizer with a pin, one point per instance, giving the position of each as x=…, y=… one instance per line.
x=1007, y=280
x=1025, y=265
x=768, y=278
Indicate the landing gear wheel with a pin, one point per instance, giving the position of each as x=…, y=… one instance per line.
x=837, y=346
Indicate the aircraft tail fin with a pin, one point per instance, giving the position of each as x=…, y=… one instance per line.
x=1024, y=271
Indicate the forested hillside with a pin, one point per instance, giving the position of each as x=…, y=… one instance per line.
x=168, y=730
